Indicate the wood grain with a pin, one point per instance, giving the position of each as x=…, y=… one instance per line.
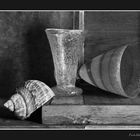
x=9, y=123
x=108, y=30
x=112, y=127
x=64, y=100
x=84, y=114
x=106, y=98
x=66, y=127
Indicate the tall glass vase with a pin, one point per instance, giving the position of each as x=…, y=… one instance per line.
x=65, y=46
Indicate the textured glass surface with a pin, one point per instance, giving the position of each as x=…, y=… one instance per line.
x=66, y=46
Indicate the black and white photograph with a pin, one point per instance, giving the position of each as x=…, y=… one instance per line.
x=70, y=70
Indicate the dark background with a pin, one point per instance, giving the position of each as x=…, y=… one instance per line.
x=108, y=30
x=24, y=47
x=25, y=51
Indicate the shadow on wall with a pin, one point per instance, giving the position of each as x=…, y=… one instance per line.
x=7, y=78
x=40, y=58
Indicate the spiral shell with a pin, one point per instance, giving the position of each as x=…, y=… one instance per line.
x=29, y=98
x=40, y=91
x=17, y=104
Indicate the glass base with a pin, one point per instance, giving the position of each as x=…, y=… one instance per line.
x=69, y=91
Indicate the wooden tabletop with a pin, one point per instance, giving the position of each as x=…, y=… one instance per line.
x=91, y=96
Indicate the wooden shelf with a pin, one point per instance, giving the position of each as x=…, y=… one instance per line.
x=98, y=109
x=95, y=109
x=19, y=124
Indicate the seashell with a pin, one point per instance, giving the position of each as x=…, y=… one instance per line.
x=29, y=98
x=40, y=91
x=17, y=105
